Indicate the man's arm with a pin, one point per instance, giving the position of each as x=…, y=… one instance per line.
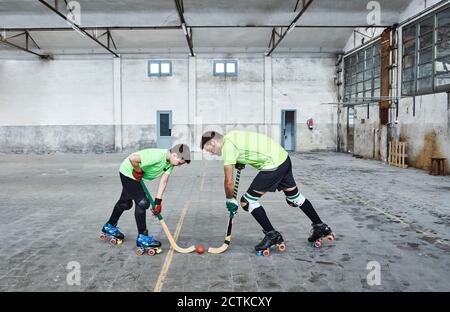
x=135, y=161
x=162, y=185
x=228, y=183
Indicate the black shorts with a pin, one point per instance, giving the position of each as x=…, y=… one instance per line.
x=278, y=179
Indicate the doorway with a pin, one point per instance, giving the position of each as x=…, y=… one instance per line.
x=288, y=129
x=164, y=129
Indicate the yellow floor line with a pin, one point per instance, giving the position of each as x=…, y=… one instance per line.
x=202, y=183
x=162, y=275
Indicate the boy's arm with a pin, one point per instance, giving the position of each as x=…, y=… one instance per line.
x=228, y=182
x=162, y=185
x=135, y=161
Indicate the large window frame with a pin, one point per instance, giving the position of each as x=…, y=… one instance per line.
x=426, y=54
x=362, y=72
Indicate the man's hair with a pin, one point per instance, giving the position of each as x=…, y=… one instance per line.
x=183, y=152
x=208, y=136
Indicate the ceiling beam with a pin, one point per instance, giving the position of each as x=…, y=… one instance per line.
x=192, y=26
x=77, y=27
x=24, y=49
x=289, y=28
x=187, y=32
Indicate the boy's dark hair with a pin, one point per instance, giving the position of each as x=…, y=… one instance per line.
x=208, y=136
x=183, y=152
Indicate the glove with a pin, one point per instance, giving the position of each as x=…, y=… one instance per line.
x=158, y=206
x=138, y=175
x=232, y=206
x=239, y=166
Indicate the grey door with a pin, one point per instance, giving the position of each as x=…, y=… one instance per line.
x=288, y=121
x=164, y=129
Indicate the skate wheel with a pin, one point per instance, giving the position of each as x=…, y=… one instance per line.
x=282, y=247
x=139, y=251
x=331, y=237
x=102, y=236
x=151, y=252
x=259, y=253
x=113, y=241
x=266, y=253
x=318, y=243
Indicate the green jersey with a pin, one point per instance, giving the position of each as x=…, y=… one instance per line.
x=153, y=163
x=252, y=148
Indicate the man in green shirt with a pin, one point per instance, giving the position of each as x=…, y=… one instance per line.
x=275, y=173
x=146, y=164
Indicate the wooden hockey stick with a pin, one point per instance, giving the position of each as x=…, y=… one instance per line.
x=164, y=225
x=227, y=241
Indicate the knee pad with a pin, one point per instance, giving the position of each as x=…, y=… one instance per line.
x=125, y=205
x=296, y=200
x=249, y=203
x=143, y=204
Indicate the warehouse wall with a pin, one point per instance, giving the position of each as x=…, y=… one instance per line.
x=101, y=105
x=425, y=128
x=62, y=105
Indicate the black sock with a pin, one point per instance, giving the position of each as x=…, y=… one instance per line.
x=260, y=215
x=310, y=212
x=141, y=223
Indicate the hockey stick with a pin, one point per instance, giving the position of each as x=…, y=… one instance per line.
x=164, y=225
x=226, y=243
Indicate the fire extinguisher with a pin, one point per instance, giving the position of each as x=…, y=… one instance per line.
x=310, y=123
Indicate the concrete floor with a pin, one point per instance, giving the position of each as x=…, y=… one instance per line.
x=53, y=207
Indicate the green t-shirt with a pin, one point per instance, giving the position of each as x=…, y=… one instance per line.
x=153, y=163
x=252, y=148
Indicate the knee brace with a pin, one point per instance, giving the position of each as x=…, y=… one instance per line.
x=294, y=198
x=249, y=202
x=125, y=205
x=143, y=204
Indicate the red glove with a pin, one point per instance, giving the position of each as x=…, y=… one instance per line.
x=138, y=175
x=158, y=206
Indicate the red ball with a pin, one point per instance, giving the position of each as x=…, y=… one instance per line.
x=200, y=249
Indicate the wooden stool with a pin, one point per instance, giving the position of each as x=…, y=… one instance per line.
x=437, y=166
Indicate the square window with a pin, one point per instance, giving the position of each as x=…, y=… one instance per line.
x=158, y=68
x=165, y=68
x=409, y=33
x=154, y=68
x=231, y=68
x=220, y=68
x=443, y=18
x=225, y=68
x=442, y=66
x=424, y=84
x=442, y=80
x=425, y=70
x=426, y=25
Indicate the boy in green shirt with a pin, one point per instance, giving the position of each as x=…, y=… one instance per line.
x=275, y=173
x=146, y=164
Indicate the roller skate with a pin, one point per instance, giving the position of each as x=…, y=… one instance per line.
x=318, y=232
x=112, y=232
x=272, y=238
x=147, y=243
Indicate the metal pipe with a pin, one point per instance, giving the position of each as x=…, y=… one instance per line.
x=291, y=26
x=76, y=27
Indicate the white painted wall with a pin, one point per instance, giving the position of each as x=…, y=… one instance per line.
x=306, y=85
x=120, y=94
x=60, y=92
